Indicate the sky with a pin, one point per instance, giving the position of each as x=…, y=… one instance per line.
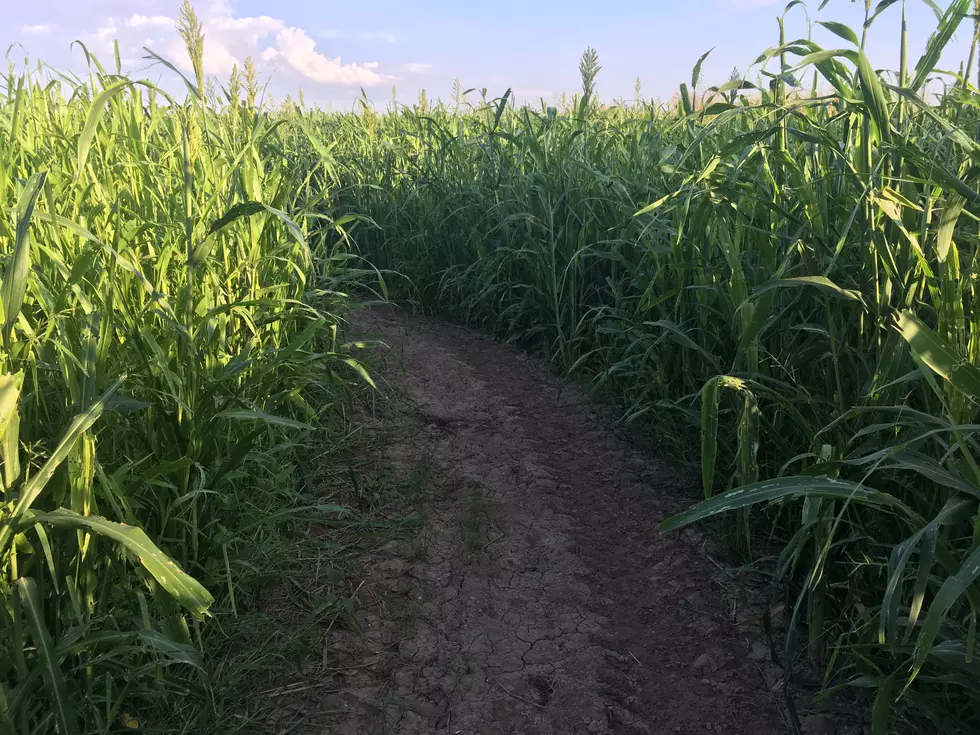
x=332, y=50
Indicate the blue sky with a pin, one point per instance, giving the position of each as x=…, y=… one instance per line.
x=333, y=49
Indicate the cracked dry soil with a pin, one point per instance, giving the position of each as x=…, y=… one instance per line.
x=544, y=599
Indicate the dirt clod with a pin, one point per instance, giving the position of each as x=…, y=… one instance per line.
x=819, y=725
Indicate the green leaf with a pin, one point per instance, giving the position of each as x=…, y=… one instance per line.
x=955, y=510
x=938, y=41
x=182, y=587
x=874, y=97
x=247, y=209
x=136, y=639
x=953, y=588
x=784, y=487
x=6, y=724
x=502, y=105
x=359, y=368
x=10, y=387
x=716, y=108
x=938, y=354
x=154, y=56
x=14, y=285
x=748, y=440
x=57, y=691
x=821, y=282
x=654, y=205
x=686, y=100
x=922, y=464
x=236, y=455
x=818, y=57
x=681, y=338
x=841, y=30
x=882, y=710
x=92, y=122
x=696, y=72
x=947, y=223
x=79, y=425
x=709, y=433
x=252, y=414
x=882, y=6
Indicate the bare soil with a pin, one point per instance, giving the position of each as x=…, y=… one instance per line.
x=540, y=597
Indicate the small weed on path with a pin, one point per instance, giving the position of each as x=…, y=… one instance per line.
x=475, y=523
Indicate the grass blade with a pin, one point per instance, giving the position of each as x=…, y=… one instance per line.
x=61, y=706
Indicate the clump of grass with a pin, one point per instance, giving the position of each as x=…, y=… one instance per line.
x=475, y=523
x=418, y=487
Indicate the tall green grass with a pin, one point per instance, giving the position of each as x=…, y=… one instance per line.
x=168, y=341
x=783, y=272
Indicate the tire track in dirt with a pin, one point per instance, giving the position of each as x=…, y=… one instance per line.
x=546, y=601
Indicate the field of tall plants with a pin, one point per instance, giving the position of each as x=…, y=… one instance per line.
x=776, y=274
x=170, y=348
x=780, y=270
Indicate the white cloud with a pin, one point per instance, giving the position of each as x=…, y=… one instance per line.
x=333, y=33
x=418, y=68
x=230, y=39
x=382, y=36
x=155, y=21
x=244, y=31
x=298, y=51
x=218, y=59
x=40, y=29
x=107, y=32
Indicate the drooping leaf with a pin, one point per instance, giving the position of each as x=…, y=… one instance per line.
x=251, y=414
x=182, y=587
x=841, y=30
x=938, y=354
x=821, y=282
x=784, y=487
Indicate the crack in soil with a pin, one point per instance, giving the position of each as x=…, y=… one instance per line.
x=547, y=602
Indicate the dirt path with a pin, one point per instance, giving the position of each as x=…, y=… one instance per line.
x=541, y=598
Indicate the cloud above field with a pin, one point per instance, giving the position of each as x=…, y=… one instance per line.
x=152, y=21
x=379, y=36
x=274, y=44
x=298, y=51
